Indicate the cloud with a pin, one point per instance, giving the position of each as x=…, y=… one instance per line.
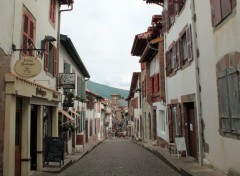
x=103, y=33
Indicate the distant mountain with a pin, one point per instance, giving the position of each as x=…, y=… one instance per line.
x=106, y=91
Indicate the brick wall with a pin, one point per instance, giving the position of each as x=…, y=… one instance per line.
x=4, y=67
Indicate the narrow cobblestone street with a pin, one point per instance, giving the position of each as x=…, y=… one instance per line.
x=119, y=158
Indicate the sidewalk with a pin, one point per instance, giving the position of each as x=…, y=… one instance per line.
x=186, y=166
x=68, y=160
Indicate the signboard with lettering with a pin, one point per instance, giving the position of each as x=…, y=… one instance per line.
x=28, y=67
x=180, y=145
x=67, y=80
x=54, y=150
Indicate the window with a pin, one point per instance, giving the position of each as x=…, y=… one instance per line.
x=185, y=46
x=168, y=15
x=180, y=52
x=50, y=59
x=28, y=35
x=52, y=11
x=229, y=95
x=171, y=64
x=154, y=83
x=162, y=121
x=221, y=9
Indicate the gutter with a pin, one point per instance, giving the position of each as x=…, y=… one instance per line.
x=198, y=91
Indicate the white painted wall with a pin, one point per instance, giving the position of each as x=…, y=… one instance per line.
x=183, y=83
x=213, y=44
x=6, y=30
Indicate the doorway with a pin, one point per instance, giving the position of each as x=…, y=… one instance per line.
x=154, y=124
x=191, y=129
x=18, y=136
x=33, y=138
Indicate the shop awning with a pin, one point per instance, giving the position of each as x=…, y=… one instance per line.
x=73, y=112
x=67, y=115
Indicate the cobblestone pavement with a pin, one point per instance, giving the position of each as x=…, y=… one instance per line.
x=119, y=158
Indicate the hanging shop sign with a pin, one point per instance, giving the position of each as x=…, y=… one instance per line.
x=67, y=80
x=28, y=67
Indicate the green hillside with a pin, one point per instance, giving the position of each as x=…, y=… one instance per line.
x=105, y=91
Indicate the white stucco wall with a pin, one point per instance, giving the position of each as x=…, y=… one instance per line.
x=6, y=30
x=213, y=44
x=183, y=83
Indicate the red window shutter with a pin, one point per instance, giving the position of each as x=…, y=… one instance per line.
x=142, y=66
x=52, y=11
x=226, y=7
x=46, y=56
x=28, y=33
x=216, y=12
x=170, y=127
x=179, y=119
x=189, y=43
x=156, y=83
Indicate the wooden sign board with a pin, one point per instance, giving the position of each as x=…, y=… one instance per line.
x=180, y=145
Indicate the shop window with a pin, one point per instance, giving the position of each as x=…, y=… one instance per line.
x=28, y=35
x=229, y=100
x=221, y=9
x=52, y=12
x=50, y=59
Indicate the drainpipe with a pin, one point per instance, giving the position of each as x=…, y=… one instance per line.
x=58, y=30
x=198, y=93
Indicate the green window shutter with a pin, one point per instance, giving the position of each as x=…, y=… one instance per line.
x=234, y=99
x=224, y=103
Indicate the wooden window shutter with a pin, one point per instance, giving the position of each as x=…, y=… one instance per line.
x=226, y=7
x=55, y=66
x=175, y=55
x=164, y=21
x=179, y=119
x=224, y=104
x=46, y=57
x=189, y=43
x=52, y=11
x=216, y=12
x=178, y=58
x=171, y=9
x=142, y=65
x=170, y=127
x=167, y=64
x=167, y=20
x=234, y=98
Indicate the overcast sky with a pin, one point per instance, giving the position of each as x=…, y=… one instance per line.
x=103, y=31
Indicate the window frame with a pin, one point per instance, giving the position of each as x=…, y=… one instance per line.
x=50, y=55
x=27, y=32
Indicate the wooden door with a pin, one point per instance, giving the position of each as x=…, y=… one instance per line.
x=86, y=125
x=18, y=135
x=192, y=128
